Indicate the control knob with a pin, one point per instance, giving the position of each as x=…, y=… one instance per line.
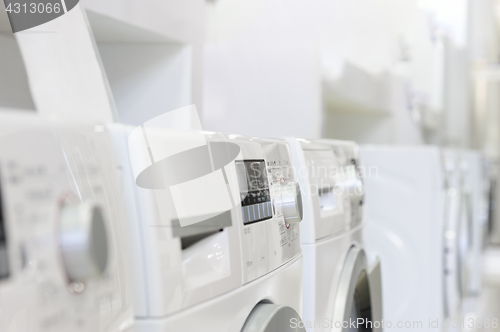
x=83, y=241
x=291, y=199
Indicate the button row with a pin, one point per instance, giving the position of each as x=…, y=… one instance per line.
x=278, y=163
x=256, y=212
x=255, y=197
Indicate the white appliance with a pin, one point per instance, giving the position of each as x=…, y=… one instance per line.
x=476, y=191
x=457, y=235
x=339, y=285
x=217, y=240
x=404, y=211
x=63, y=259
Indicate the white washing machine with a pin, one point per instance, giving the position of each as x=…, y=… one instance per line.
x=339, y=285
x=63, y=259
x=457, y=235
x=404, y=212
x=217, y=239
x=476, y=192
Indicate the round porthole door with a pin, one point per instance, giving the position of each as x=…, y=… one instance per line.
x=268, y=317
x=353, y=309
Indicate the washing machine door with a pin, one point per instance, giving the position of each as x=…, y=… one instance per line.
x=267, y=317
x=354, y=305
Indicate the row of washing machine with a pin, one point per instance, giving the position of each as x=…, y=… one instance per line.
x=427, y=214
x=117, y=228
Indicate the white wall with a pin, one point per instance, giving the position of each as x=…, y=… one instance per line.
x=262, y=69
x=269, y=60
x=151, y=54
x=147, y=80
x=181, y=22
x=64, y=72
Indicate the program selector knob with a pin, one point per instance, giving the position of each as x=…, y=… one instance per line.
x=83, y=241
x=291, y=199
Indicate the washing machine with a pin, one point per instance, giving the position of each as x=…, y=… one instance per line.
x=63, y=253
x=476, y=193
x=405, y=223
x=458, y=228
x=216, y=223
x=342, y=285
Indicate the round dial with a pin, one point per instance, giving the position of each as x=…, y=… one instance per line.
x=291, y=199
x=83, y=241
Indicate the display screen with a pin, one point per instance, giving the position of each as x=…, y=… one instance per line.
x=254, y=190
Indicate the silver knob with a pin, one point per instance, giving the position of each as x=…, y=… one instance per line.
x=83, y=241
x=291, y=199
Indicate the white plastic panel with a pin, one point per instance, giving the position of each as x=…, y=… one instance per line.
x=173, y=275
x=404, y=226
x=475, y=185
x=167, y=281
x=325, y=175
x=229, y=311
x=41, y=168
x=328, y=172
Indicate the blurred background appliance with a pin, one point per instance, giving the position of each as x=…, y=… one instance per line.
x=458, y=234
x=404, y=211
x=476, y=191
x=339, y=284
x=64, y=264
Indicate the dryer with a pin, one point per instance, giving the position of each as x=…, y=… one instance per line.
x=217, y=239
x=404, y=210
x=63, y=259
x=339, y=285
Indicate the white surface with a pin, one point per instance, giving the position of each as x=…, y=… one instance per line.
x=203, y=271
x=229, y=311
x=64, y=71
x=182, y=21
x=147, y=139
x=314, y=164
x=323, y=263
x=191, y=202
x=457, y=126
x=70, y=163
x=167, y=282
x=156, y=23
x=476, y=185
x=261, y=69
x=148, y=79
x=108, y=29
x=404, y=222
x=327, y=236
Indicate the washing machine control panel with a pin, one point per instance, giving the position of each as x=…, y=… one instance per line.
x=348, y=156
x=271, y=210
x=251, y=226
x=62, y=254
x=330, y=176
x=256, y=202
